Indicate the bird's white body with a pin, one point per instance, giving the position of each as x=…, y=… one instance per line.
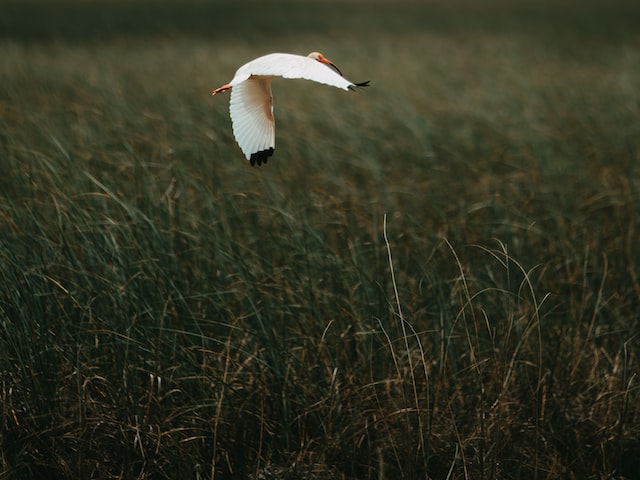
x=251, y=104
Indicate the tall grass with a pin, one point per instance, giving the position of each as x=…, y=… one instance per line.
x=433, y=278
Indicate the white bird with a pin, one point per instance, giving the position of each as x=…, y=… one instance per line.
x=251, y=103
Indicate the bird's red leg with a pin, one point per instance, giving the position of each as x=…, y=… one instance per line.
x=223, y=88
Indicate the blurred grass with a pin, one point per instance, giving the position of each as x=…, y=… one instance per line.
x=170, y=312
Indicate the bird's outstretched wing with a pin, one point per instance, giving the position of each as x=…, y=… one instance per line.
x=286, y=65
x=251, y=109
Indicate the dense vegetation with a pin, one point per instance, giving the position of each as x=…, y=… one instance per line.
x=437, y=277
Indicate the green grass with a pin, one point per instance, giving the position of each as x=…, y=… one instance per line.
x=436, y=277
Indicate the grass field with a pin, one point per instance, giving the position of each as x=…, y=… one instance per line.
x=436, y=277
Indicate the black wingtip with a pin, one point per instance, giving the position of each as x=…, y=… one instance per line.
x=361, y=84
x=261, y=157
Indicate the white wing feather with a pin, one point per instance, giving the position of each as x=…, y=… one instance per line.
x=286, y=65
x=251, y=110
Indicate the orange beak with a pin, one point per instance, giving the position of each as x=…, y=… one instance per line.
x=325, y=60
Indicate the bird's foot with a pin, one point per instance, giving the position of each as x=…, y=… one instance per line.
x=223, y=88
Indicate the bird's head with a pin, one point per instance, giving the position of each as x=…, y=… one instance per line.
x=322, y=59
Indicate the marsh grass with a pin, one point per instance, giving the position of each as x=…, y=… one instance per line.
x=434, y=278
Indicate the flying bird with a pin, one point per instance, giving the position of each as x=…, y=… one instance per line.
x=251, y=103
